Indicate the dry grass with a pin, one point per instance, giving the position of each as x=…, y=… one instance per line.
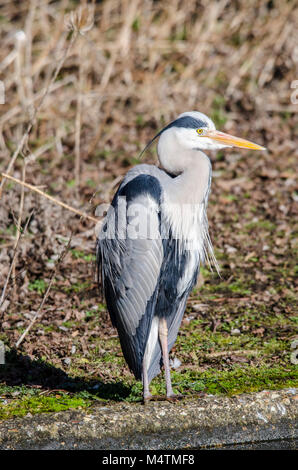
x=82, y=101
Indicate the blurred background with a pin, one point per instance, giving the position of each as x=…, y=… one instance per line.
x=95, y=81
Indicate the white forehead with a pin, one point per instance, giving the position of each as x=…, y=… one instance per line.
x=199, y=116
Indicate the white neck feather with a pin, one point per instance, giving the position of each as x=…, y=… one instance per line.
x=187, y=195
x=192, y=167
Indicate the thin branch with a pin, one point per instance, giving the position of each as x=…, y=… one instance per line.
x=78, y=122
x=51, y=198
x=19, y=224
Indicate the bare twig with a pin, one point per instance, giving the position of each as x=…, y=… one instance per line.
x=78, y=122
x=51, y=198
x=19, y=224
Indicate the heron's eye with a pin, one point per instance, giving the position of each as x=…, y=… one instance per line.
x=200, y=131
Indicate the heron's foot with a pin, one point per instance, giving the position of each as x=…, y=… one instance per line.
x=174, y=397
x=180, y=396
x=155, y=398
x=147, y=397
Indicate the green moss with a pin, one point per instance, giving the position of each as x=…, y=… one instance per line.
x=110, y=358
x=76, y=287
x=239, y=288
x=39, y=285
x=239, y=380
x=213, y=285
x=77, y=254
x=41, y=404
x=206, y=341
x=261, y=224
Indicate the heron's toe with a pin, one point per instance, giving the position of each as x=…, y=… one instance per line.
x=174, y=397
x=147, y=397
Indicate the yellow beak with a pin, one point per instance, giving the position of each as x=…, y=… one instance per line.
x=232, y=141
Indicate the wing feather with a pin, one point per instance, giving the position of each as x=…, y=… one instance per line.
x=131, y=269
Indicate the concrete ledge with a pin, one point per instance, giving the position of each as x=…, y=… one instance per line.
x=252, y=421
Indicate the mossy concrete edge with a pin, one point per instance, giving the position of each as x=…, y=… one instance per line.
x=266, y=419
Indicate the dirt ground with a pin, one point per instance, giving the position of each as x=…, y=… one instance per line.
x=94, y=87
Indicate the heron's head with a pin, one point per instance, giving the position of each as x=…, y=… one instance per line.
x=193, y=131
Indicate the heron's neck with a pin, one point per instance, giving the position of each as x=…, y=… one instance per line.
x=191, y=185
x=192, y=168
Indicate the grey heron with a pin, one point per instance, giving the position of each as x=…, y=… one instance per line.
x=154, y=239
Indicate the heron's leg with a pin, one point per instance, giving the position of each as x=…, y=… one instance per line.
x=163, y=338
x=146, y=392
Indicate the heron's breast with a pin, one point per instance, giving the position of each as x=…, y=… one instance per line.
x=185, y=223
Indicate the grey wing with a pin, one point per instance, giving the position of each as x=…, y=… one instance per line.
x=130, y=266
